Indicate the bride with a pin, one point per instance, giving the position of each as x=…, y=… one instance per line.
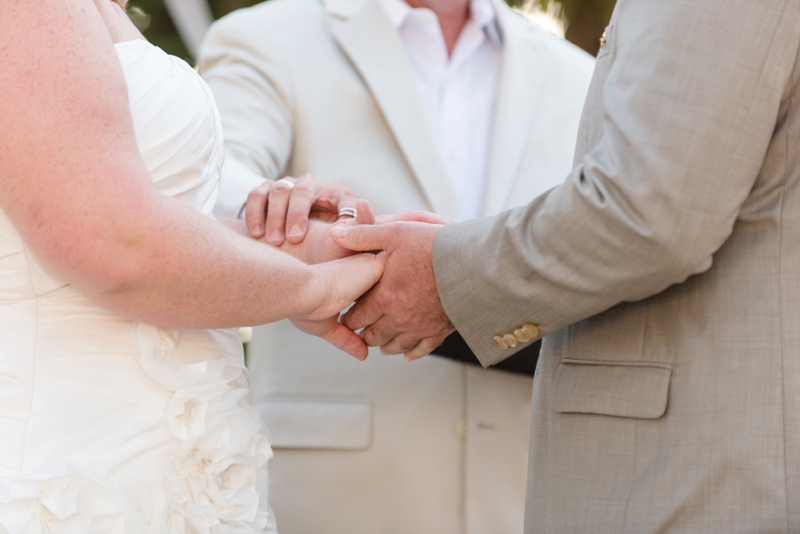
x=120, y=411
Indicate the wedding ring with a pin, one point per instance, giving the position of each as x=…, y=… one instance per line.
x=348, y=212
x=285, y=182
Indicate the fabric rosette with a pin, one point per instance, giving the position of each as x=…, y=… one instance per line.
x=62, y=499
x=215, y=472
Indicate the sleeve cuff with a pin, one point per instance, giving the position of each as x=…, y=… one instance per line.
x=236, y=183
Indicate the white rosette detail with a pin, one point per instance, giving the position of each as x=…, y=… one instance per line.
x=215, y=473
x=62, y=499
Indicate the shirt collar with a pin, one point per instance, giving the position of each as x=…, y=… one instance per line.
x=481, y=12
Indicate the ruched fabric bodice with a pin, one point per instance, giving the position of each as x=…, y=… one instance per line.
x=112, y=426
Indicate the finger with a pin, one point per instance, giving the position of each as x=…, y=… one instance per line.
x=365, y=312
x=414, y=216
x=381, y=332
x=330, y=198
x=364, y=237
x=400, y=344
x=301, y=198
x=364, y=212
x=364, y=215
x=277, y=204
x=348, y=341
x=346, y=280
x=255, y=214
x=425, y=347
x=339, y=196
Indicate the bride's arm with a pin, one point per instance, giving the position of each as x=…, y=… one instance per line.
x=73, y=184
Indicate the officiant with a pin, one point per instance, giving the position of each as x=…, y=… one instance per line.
x=426, y=105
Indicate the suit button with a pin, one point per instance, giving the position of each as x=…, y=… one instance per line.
x=510, y=340
x=530, y=330
x=521, y=336
x=500, y=342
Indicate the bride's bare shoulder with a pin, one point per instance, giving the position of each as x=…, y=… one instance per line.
x=119, y=25
x=64, y=116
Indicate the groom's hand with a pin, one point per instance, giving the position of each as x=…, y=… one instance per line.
x=403, y=312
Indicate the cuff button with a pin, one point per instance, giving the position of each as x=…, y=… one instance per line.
x=521, y=336
x=510, y=340
x=530, y=330
x=500, y=342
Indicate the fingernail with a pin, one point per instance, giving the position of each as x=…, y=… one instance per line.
x=275, y=236
x=295, y=231
x=258, y=229
x=339, y=231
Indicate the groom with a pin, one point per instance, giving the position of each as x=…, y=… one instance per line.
x=371, y=93
x=665, y=273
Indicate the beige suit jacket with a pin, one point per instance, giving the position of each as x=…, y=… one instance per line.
x=434, y=447
x=666, y=270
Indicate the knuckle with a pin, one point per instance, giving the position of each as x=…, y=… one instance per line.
x=370, y=335
x=405, y=320
x=279, y=191
x=409, y=344
x=385, y=300
x=275, y=220
x=303, y=188
x=337, y=187
x=255, y=195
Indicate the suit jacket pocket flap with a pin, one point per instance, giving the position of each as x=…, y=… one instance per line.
x=317, y=424
x=620, y=389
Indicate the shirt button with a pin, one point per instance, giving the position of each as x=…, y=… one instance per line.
x=461, y=429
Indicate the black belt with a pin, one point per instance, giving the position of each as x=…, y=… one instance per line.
x=523, y=362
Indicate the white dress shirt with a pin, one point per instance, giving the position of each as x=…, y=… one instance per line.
x=459, y=91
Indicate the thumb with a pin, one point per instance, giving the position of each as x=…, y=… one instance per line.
x=362, y=237
x=346, y=280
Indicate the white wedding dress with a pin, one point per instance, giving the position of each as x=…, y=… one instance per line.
x=110, y=426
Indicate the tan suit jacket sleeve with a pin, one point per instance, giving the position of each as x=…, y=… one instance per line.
x=689, y=107
x=254, y=95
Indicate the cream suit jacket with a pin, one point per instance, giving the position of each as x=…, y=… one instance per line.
x=434, y=447
x=666, y=271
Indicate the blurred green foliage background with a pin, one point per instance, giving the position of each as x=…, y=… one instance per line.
x=584, y=19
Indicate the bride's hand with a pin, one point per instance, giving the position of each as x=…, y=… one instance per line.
x=279, y=211
x=318, y=247
x=337, y=284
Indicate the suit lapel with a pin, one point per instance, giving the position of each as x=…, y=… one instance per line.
x=518, y=99
x=370, y=41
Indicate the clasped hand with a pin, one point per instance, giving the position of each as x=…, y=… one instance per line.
x=402, y=313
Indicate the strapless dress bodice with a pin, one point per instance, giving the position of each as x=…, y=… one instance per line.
x=112, y=426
